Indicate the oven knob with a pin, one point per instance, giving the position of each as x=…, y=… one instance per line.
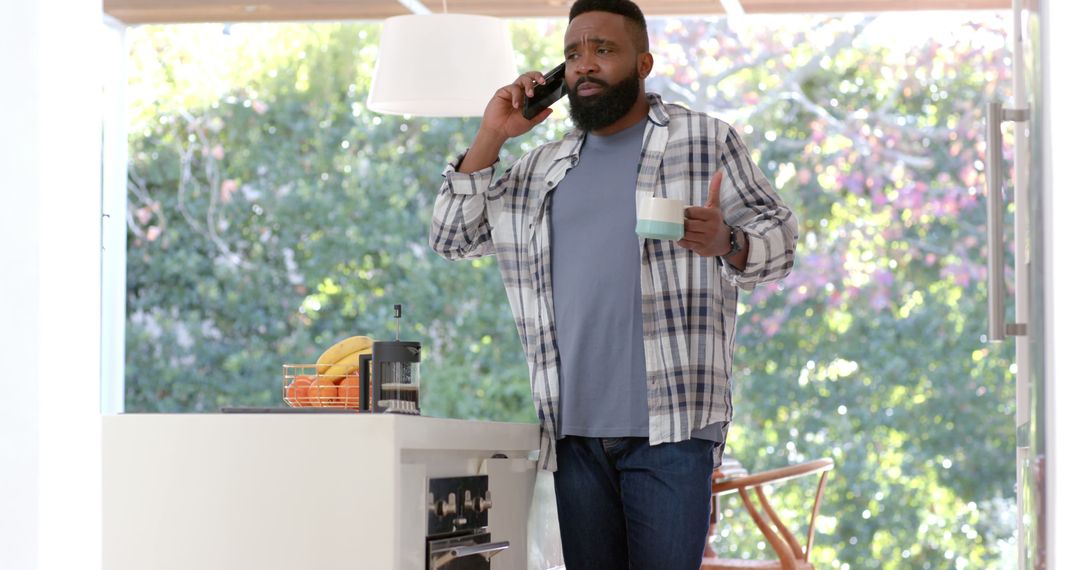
x=447, y=507
x=478, y=504
x=482, y=504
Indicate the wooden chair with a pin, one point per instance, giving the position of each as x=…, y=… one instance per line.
x=790, y=554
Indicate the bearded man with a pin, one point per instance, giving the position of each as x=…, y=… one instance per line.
x=629, y=340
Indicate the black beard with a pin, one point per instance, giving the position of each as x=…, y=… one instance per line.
x=602, y=110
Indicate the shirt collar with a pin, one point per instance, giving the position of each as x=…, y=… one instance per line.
x=657, y=111
x=570, y=147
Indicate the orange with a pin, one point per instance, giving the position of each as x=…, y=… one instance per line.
x=323, y=392
x=296, y=394
x=349, y=390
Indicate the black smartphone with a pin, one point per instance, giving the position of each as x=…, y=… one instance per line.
x=546, y=93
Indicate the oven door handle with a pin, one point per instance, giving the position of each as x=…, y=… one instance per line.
x=487, y=550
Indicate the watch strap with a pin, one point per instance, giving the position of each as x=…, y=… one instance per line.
x=733, y=241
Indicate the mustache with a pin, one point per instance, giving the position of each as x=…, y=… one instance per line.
x=587, y=79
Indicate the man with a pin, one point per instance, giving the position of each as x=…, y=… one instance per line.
x=628, y=340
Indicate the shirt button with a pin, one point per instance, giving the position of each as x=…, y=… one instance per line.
x=550, y=184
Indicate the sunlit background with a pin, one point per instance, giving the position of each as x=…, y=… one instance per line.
x=270, y=214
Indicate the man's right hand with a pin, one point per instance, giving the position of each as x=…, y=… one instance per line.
x=503, y=112
x=503, y=121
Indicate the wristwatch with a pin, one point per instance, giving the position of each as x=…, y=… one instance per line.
x=736, y=247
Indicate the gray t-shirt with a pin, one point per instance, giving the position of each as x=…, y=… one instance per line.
x=596, y=274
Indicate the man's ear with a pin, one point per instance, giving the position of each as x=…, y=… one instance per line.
x=645, y=63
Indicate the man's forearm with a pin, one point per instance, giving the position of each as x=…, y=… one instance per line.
x=483, y=152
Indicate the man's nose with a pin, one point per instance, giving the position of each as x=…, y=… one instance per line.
x=586, y=64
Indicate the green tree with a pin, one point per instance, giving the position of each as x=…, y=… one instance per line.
x=870, y=352
x=272, y=214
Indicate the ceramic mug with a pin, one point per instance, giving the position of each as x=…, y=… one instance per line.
x=661, y=218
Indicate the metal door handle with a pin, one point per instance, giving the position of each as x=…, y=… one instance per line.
x=995, y=229
x=487, y=550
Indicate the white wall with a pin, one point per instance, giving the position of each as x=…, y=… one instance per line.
x=1063, y=256
x=18, y=288
x=50, y=309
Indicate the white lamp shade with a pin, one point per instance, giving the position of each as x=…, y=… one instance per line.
x=441, y=65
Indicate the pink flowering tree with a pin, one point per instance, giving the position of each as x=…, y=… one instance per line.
x=270, y=214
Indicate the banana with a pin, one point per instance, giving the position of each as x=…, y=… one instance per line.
x=347, y=365
x=343, y=348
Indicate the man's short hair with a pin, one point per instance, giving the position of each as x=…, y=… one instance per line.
x=635, y=20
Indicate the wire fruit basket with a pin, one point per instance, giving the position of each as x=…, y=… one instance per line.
x=306, y=386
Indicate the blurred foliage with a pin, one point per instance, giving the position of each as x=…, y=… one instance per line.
x=271, y=214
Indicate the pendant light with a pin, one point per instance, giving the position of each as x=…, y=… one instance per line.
x=440, y=65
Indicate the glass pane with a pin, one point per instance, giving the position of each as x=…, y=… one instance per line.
x=271, y=215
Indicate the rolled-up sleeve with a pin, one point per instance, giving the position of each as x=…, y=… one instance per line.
x=464, y=212
x=749, y=201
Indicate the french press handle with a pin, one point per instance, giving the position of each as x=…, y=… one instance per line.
x=365, y=383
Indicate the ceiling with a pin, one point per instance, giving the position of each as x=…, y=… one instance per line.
x=177, y=11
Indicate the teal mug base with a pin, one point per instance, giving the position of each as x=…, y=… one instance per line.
x=659, y=230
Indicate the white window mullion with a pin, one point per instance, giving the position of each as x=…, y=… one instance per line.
x=114, y=158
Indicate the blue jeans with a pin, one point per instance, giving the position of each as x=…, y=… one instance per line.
x=625, y=504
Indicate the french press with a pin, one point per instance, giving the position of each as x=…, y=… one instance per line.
x=392, y=374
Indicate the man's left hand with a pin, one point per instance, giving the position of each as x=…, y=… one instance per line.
x=706, y=231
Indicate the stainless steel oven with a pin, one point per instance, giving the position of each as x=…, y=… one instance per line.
x=457, y=525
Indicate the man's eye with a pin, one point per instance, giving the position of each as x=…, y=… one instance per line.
x=571, y=56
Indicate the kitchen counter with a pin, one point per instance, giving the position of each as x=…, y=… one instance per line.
x=325, y=491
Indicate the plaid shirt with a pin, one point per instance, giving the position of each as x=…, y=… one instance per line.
x=688, y=301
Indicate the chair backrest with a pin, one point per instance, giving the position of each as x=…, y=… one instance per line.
x=783, y=542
